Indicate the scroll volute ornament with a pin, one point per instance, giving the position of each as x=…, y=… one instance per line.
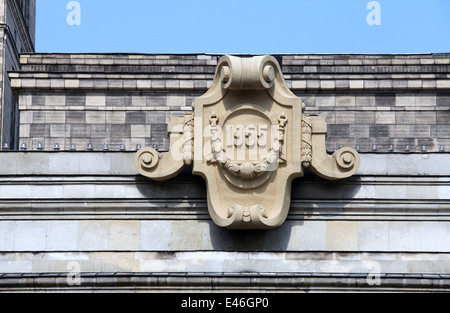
x=248, y=138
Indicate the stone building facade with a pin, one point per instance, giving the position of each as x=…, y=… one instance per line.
x=17, y=33
x=390, y=101
x=72, y=219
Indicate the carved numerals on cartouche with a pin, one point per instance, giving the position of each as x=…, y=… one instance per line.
x=246, y=170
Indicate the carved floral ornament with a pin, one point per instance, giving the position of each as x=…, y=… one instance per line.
x=248, y=138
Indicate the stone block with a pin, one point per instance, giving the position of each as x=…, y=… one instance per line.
x=30, y=236
x=186, y=235
x=24, y=130
x=424, y=117
x=98, y=163
x=95, y=117
x=144, y=84
x=120, y=131
x=405, y=117
x=124, y=235
x=115, y=117
x=345, y=117
x=342, y=84
x=26, y=117
x=443, y=99
x=7, y=229
x=373, y=236
x=365, y=100
x=176, y=100
x=359, y=131
x=100, y=131
x=405, y=100
x=76, y=117
x=57, y=84
x=63, y=163
x=59, y=130
x=55, y=117
x=348, y=101
x=385, y=117
x=405, y=236
x=135, y=118
x=95, y=100
x=313, y=84
x=122, y=164
x=357, y=84
x=86, y=84
x=62, y=236
x=327, y=84
x=310, y=235
x=425, y=100
x=118, y=100
x=339, y=131
x=216, y=238
x=138, y=101
x=419, y=131
x=140, y=131
x=386, y=84
x=399, y=131
x=28, y=83
x=72, y=83
x=342, y=235
x=156, y=235
x=55, y=100
x=440, y=131
x=159, y=130
x=75, y=99
x=39, y=130
x=328, y=100
x=93, y=235
x=365, y=117
x=385, y=100
x=298, y=84
x=79, y=130
x=371, y=84
x=100, y=84
x=443, y=117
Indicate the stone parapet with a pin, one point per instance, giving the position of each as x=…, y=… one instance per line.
x=387, y=101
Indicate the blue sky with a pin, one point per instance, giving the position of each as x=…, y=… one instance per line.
x=244, y=26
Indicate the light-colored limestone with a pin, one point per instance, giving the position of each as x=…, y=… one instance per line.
x=124, y=235
x=95, y=100
x=244, y=144
x=342, y=236
x=93, y=235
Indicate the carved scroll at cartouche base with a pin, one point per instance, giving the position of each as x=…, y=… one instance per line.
x=251, y=190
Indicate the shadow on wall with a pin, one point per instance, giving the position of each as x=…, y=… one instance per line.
x=185, y=186
x=312, y=197
x=251, y=240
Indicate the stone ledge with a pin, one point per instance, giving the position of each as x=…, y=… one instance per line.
x=121, y=163
x=224, y=282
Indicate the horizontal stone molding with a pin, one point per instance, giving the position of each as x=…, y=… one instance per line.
x=121, y=163
x=223, y=283
x=225, y=271
x=335, y=82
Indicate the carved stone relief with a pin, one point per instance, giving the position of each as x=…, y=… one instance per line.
x=248, y=138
